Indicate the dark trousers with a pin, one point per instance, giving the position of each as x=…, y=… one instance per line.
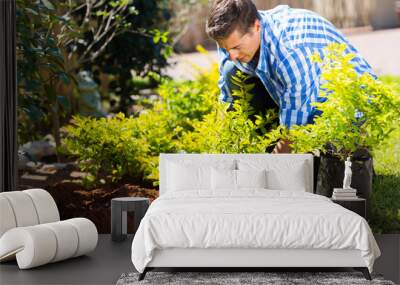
x=261, y=100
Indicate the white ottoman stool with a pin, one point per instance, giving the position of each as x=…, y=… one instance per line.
x=31, y=230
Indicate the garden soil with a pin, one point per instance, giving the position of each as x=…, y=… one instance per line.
x=73, y=200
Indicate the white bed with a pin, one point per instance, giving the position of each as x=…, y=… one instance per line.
x=280, y=225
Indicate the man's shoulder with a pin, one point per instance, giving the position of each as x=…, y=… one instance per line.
x=280, y=9
x=284, y=16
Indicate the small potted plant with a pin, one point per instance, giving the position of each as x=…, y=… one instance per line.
x=359, y=112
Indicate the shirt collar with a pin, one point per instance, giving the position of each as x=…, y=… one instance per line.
x=263, y=44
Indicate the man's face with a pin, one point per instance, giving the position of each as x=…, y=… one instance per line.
x=241, y=46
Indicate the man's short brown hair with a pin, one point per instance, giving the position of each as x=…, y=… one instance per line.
x=227, y=15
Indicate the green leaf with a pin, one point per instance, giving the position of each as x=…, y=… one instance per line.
x=31, y=11
x=34, y=112
x=48, y=4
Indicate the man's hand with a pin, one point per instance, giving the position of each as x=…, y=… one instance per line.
x=282, y=147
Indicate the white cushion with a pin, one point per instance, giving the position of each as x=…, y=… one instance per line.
x=45, y=205
x=251, y=178
x=23, y=208
x=183, y=177
x=189, y=175
x=223, y=179
x=40, y=244
x=87, y=234
x=67, y=240
x=33, y=244
x=7, y=218
x=288, y=175
x=292, y=179
x=226, y=179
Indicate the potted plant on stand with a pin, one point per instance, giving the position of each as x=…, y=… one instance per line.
x=360, y=119
x=358, y=113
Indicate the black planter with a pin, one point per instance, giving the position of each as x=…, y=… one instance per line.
x=330, y=174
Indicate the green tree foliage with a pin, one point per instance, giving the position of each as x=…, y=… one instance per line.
x=123, y=37
x=58, y=39
x=40, y=69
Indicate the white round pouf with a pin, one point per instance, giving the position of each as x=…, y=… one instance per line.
x=45, y=205
x=67, y=240
x=23, y=208
x=7, y=216
x=87, y=233
x=31, y=231
x=33, y=246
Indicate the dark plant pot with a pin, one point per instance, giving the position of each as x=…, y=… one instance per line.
x=330, y=174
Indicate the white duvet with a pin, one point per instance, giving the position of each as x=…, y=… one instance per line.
x=253, y=218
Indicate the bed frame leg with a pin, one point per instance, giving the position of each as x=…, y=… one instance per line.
x=143, y=274
x=364, y=271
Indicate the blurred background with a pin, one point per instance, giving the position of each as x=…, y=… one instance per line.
x=369, y=24
x=343, y=14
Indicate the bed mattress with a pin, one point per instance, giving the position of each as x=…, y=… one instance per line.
x=250, y=219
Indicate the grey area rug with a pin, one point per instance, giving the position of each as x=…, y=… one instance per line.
x=233, y=278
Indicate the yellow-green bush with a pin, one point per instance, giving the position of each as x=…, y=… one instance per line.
x=348, y=93
x=236, y=131
x=113, y=148
x=106, y=148
x=187, y=118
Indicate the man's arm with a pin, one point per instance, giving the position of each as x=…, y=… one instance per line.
x=283, y=146
x=300, y=81
x=223, y=85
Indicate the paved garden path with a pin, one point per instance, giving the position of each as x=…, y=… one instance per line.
x=380, y=48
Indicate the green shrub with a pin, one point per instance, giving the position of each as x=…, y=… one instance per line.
x=377, y=130
x=236, y=131
x=129, y=147
x=348, y=93
x=187, y=118
x=106, y=148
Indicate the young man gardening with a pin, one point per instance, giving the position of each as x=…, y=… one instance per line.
x=273, y=47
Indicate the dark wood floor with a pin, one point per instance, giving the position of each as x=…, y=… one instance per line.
x=103, y=266
x=110, y=259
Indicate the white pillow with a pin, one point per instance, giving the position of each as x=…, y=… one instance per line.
x=223, y=179
x=251, y=178
x=182, y=177
x=292, y=179
x=227, y=179
x=281, y=174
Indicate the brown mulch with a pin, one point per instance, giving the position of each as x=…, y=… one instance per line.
x=73, y=200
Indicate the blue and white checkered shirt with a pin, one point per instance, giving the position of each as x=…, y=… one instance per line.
x=288, y=37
